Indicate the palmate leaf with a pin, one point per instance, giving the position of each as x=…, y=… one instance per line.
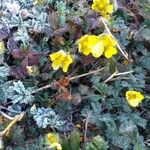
x=47, y=117
x=19, y=94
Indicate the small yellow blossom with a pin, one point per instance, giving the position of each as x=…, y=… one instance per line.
x=104, y=7
x=91, y=44
x=32, y=70
x=109, y=45
x=38, y=2
x=2, y=47
x=78, y=125
x=53, y=140
x=134, y=98
x=61, y=59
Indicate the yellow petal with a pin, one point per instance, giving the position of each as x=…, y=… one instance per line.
x=82, y=43
x=69, y=59
x=133, y=103
x=106, y=2
x=65, y=66
x=86, y=51
x=52, y=138
x=59, y=147
x=134, y=98
x=80, y=47
x=98, y=49
x=55, y=56
x=56, y=65
x=109, y=9
x=110, y=51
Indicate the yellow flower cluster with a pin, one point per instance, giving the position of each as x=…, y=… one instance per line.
x=61, y=59
x=53, y=140
x=104, y=7
x=97, y=45
x=104, y=44
x=134, y=98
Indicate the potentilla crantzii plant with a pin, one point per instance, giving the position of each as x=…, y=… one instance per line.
x=74, y=74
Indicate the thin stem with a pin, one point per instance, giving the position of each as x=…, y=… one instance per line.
x=70, y=79
x=124, y=73
x=15, y=119
x=109, y=32
x=117, y=74
x=86, y=125
x=6, y=116
x=109, y=78
x=86, y=74
x=13, y=111
x=43, y=88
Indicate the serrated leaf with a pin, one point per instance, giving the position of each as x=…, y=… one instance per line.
x=19, y=94
x=145, y=61
x=47, y=117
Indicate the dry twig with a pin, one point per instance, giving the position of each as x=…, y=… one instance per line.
x=109, y=32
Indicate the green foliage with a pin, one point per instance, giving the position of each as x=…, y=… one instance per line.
x=145, y=61
x=31, y=32
x=72, y=142
x=47, y=117
x=144, y=8
x=4, y=73
x=97, y=143
x=38, y=144
x=112, y=115
x=19, y=94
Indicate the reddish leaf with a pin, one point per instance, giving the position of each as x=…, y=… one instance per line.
x=17, y=54
x=64, y=81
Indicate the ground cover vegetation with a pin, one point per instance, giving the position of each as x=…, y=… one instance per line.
x=75, y=75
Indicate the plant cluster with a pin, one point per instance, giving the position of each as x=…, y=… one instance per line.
x=74, y=74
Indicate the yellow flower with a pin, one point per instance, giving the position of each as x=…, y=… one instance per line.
x=91, y=44
x=53, y=140
x=61, y=59
x=38, y=2
x=104, y=7
x=109, y=45
x=2, y=47
x=32, y=70
x=134, y=98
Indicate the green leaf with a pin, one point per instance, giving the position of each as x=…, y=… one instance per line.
x=72, y=142
x=145, y=61
x=97, y=144
x=47, y=117
x=19, y=94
